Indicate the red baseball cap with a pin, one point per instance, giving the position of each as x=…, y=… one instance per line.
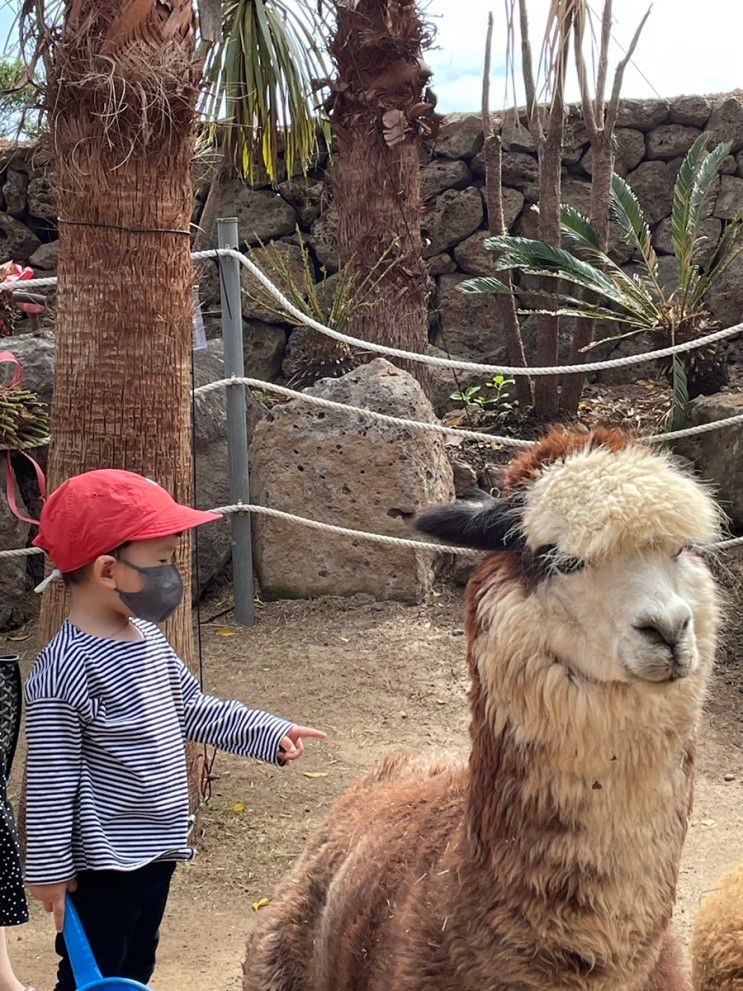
x=93, y=513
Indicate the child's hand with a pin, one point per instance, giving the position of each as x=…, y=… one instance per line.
x=52, y=897
x=291, y=745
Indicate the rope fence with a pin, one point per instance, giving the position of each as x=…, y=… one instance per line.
x=429, y=359
x=408, y=543
x=240, y=508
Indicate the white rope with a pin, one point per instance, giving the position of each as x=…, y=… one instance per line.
x=377, y=538
x=399, y=421
x=428, y=359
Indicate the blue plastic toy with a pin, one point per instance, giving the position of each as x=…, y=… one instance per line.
x=87, y=975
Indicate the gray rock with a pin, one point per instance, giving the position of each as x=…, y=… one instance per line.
x=726, y=122
x=469, y=324
x=42, y=201
x=328, y=466
x=513, y=202
x=14, y=192
x=668, y=272
x=441, y=264
x=46, y=256
x=442, y=174
x=729, y=202
x=652, y=183
x=725, y=300
x=450, y=218
x=284, y=265
x=460, y=136
x=264, y=347
x=662, y=235
x=472, y=257
x=575, y=140
x=261, y=213
x=17, y=242
x=691, y=110
x=739, y=163
x=670, y=140
x=630, y=151
x=465, y=476
x=729, y=165
x=643, y=114
x=306, y=196
x=521, y=171
x=324, y=239
x=718, y=456
x=36, y=355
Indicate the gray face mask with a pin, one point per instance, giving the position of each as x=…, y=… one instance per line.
x=160, y=595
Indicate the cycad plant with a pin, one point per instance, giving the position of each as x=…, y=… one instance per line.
x=640, y=301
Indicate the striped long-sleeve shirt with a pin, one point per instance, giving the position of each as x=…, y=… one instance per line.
x=106, y=723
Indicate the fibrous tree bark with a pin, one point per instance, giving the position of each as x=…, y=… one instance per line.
x=380, y=109
x=121, y=95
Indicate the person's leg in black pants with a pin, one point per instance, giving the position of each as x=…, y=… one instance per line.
x=121, y=913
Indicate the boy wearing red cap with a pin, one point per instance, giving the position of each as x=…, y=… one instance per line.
x=110, y=706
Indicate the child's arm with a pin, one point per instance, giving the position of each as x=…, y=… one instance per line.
x=54, y=739
x=232, y=726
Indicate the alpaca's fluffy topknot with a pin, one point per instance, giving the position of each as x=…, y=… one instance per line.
x=600, y=499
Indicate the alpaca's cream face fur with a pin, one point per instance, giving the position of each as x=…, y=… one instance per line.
x=626, y=618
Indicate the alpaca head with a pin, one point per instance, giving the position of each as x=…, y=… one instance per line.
x=595, y=566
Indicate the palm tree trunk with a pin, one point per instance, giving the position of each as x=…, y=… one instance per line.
x=379, y=113
x=122, y=97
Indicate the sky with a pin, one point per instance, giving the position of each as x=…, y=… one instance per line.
x=686, y=47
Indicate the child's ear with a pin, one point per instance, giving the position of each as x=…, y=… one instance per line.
x=102, y=570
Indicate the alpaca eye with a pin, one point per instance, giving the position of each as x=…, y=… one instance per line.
x=679, y=552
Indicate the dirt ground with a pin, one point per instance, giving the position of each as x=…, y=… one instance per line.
x=378, y=678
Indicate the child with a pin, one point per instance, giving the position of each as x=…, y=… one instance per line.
x=13, y=911
x=110, y=706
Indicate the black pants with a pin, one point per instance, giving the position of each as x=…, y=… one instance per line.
x=121, y=913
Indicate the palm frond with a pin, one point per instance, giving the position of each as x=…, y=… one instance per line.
x=530, y=256
x=259, y=87
x=484, y=284
x=727, y=249
x=682, y=196
x=578, y=228
x=628, y=212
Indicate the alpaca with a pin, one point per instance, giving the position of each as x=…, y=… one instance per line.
x=717, y=946
x=549, y=861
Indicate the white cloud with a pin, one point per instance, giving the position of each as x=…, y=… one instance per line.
x=682, y=49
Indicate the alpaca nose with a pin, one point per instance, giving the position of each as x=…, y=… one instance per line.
x=669, y=628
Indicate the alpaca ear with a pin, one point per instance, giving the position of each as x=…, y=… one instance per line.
x=486, y=525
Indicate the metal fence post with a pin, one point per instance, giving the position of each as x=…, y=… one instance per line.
x=237, y=424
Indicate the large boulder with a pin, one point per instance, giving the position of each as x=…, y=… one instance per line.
x=441, y=174
x=264, y=347
x=17, y=242
x=450, y=218
x=46, y=256
x=261, y=213
x=348, y=471
x=469, y=325
x=718, y=455
x=726, y=122
x=471, y=256
x=460, y=136
x=725, y=299
x=17, y=601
